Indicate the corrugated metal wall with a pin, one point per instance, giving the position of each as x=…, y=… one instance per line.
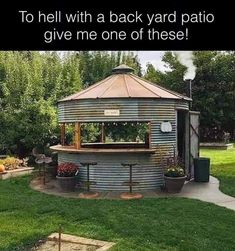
x=181, y=105
x=109, y=174
x=130, y=109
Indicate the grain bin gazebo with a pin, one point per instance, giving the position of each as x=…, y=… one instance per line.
x=124, y=99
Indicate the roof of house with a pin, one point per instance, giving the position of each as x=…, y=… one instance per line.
x=124, y=84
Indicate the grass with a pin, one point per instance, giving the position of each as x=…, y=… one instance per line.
x=149, y=224
x=223, y=167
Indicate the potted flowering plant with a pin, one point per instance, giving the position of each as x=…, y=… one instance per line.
x=66, y=176
x=174, y=176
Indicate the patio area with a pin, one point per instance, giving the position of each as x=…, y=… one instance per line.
x=204, y=191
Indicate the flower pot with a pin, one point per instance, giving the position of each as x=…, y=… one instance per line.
x=67, y=184
x=174, y=184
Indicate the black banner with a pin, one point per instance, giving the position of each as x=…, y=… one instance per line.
x=78, y=27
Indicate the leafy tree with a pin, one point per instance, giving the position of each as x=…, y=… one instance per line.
x=153, y=75
x=30, y=85
x=214, y=93
x=213, y=89
x=132, y=60
x=97, y=65
x=71, y=77
x=172, y=78
x=126, y=131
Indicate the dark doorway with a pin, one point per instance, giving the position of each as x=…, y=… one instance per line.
x=181, y=133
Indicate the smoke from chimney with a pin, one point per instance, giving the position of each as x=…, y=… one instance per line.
x=186, y=59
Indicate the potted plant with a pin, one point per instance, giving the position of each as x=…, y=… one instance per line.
x=66, y=176
x=174, y=176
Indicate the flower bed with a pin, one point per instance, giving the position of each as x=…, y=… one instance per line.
x=16, y=173
x=13, y=167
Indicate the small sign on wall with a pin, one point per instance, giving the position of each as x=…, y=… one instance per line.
x=166, y=126
x=111, y=112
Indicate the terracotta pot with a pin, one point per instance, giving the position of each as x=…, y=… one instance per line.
x=174, y=184
x=67, y=184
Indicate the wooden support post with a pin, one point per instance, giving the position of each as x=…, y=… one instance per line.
x=59, y=239
x=102, y=133
x=77, y=135
x=62, y=134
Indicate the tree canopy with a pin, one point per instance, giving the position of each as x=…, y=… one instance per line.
x=213, y=89
x=31, y=83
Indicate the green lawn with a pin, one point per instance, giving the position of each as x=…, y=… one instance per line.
x=223, y=167
x=148, y=224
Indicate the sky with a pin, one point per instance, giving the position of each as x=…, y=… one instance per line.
x=153, y=57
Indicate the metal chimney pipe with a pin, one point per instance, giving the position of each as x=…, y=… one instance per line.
x=189, y=90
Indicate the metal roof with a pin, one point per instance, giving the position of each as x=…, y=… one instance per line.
x=124, y=84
